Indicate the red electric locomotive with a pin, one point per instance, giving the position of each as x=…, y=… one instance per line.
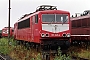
x=46, y=27
x=5, y=31
x=80, y=29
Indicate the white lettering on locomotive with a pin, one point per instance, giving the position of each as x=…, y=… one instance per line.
x=55, y=34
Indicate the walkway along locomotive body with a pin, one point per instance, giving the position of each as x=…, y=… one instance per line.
x=47, y=27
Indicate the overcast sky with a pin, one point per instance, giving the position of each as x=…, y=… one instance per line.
x=21, y=7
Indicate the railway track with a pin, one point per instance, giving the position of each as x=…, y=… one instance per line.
x=2, y=58
x=5, y=57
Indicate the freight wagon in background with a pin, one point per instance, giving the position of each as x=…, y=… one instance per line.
x=47, y=27
x=5, y=31
x=80, y=27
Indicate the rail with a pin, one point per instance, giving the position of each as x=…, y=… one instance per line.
x=2, y=58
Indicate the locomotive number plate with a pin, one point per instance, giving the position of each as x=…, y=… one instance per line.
x=55, y=34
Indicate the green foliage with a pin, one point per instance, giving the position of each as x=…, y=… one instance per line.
x=32, y=59
x=61, y=57
x=8, y=45
x=4, y=45
x=38, y=57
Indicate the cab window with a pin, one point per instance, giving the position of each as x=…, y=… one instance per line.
x=36, y=18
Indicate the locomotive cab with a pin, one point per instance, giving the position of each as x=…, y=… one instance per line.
x=55, y=26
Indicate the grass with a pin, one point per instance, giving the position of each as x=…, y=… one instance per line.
x=84, y=54
x=79, y=52
x=17, y=52
x=20, y=52
x=4, y=48
x=61, y=57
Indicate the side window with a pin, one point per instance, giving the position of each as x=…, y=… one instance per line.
x=36, y=18
x=12, y=30
x=24, y=24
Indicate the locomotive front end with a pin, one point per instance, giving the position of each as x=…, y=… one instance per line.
x=55, y=25
x=55, y=29
x=5, y=32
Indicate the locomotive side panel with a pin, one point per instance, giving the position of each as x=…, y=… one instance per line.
x=28, y=32
x=35, y=28
x=23, y=30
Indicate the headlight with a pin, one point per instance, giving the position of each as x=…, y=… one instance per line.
x=64, y=34
x=47, y=35
x=42, y=35
x=68, y=35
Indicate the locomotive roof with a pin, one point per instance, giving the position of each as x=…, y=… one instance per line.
x=45, y=11
x=80, y=17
